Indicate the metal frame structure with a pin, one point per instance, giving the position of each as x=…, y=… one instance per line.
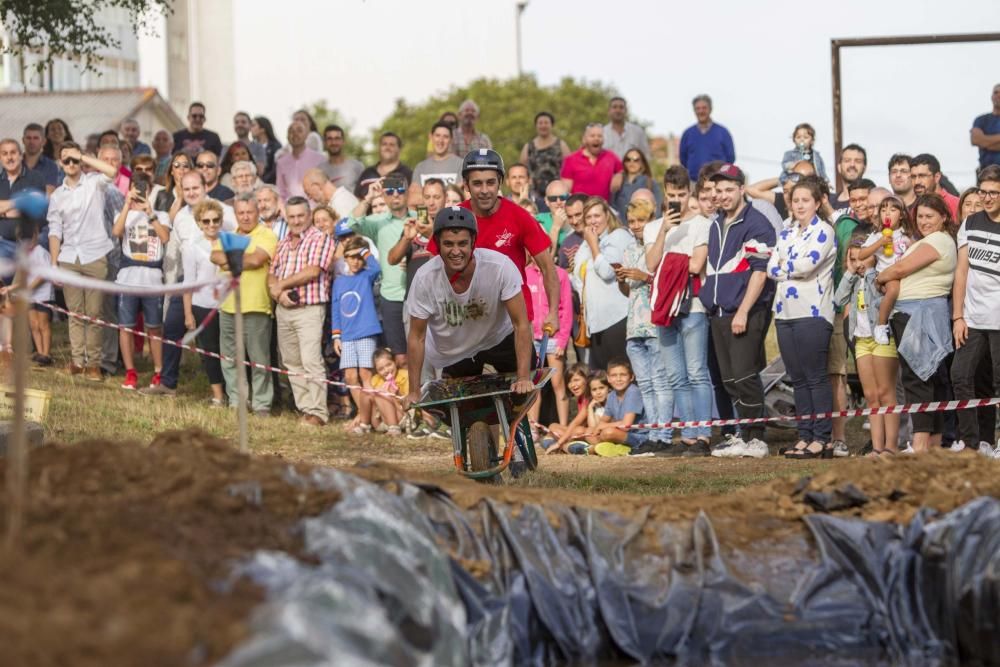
x=912, y=40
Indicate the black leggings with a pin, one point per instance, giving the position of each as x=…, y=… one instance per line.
x=935, y=388
x=607, y=345
x=208, y=339
x=502, y=357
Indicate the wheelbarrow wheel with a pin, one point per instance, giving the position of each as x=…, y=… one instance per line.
x=482, y=447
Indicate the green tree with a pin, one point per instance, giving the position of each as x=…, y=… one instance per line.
x=354, y=144
x=69, y=28
x=507, y=113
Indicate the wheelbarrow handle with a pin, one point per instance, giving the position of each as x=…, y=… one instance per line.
x=543, y=348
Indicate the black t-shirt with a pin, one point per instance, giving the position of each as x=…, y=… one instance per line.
x=28, y=180
x=780, y=205
x=221, y=193
x=193, y=143
x=370, y=175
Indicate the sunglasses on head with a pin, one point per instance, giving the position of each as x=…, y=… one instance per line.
x=70, y=160
x=394, y=190
x=556, y=197
x=358, y=254
x=205, y=165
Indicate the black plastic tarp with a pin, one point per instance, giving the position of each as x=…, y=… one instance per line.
x=406, y=577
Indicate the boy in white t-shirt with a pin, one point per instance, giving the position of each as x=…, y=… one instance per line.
x=467, y=309
x=144, y=234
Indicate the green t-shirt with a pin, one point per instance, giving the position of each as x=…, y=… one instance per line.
x=385, y=231
x=545, y=220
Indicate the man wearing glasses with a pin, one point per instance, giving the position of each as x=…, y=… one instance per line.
x=975, y=318
x=195, y=138
x=555, y=222
x=207, y=164
x=79, y=242
x=385, y=229
x=925, y=170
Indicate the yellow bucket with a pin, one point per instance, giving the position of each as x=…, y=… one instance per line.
x=36, y=403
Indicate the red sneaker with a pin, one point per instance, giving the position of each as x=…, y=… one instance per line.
x=131, y=379
x=155, y=382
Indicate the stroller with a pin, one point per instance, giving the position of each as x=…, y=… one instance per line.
x=780, y=398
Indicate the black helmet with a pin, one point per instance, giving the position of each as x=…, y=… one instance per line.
x=455, y=217
x=483, y=158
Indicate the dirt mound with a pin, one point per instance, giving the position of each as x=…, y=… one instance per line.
x=126, y=548
x=894, y=490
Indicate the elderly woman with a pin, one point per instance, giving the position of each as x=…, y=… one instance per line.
x=243, y=177
x=802, y=265
x=921, y=323
x=601, y=253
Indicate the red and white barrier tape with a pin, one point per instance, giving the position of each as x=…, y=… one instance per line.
x=111, y=325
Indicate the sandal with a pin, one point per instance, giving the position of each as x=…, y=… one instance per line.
x=825, y=451
x=875, y=453
x=793, y=452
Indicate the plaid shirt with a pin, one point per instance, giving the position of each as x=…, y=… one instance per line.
x=295, y=253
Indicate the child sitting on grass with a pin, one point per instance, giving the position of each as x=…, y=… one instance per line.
x=391, y=379
x=623, y=408
x=577, y=379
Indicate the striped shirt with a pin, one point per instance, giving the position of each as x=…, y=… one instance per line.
x=295, y=253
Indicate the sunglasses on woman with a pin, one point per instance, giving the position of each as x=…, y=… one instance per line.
x=211, y=221
x=181, y=165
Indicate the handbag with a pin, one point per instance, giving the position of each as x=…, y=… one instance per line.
x=582, y=338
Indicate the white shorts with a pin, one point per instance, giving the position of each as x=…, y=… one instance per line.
x=358, y=353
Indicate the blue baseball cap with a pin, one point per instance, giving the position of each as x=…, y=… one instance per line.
x=343, y=228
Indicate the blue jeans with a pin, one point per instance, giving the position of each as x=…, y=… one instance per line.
x=804, y=344
x=173, y=329
x=684, y=354
x=644, y=353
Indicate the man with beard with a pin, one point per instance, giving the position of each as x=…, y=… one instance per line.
x=926, y=173
x=901, y=179
x=851, y=167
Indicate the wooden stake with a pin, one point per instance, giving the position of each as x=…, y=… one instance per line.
x=241, y=371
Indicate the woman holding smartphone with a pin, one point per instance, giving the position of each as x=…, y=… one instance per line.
x=594, y=278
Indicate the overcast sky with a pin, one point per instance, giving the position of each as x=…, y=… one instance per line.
x=766, y=64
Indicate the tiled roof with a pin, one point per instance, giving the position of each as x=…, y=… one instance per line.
x=85, y=112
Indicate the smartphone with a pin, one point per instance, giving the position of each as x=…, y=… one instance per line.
x=141, y=184
x=675, y=207
x=422, y=214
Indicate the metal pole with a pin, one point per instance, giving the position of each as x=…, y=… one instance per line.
x=519, y=9
x=17, y=455
x=241, y=371
x=838, y=121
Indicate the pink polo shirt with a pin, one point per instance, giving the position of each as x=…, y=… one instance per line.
x=292, y=169
x=588, y=178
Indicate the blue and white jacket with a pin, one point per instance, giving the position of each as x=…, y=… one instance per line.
x=802, y=265
x=735, y=251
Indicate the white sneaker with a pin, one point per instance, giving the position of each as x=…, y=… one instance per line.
x=728, y=447
x=756, y=449
x=986, y=449
x=957, y=446
x=908, y=449
x=840, y=449
x=881, y=334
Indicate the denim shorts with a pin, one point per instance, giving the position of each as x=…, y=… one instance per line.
x=128, y=310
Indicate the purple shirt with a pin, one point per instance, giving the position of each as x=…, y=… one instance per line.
x=588, y=178
x=291, y=171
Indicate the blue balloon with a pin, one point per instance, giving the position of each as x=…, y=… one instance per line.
x=31, y=204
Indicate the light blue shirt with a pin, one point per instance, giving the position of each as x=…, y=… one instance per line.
x=605, y=304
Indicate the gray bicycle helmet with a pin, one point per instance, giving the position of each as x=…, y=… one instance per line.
x=455, y=217
x=483, y=158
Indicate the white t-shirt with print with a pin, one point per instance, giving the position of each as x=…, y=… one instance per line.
x=460, y=325
x=39, y=257
x=141, y=244
x=683, y=238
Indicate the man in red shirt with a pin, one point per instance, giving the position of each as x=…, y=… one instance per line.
x=925, y=170
x=506, y=227
x=589, y=170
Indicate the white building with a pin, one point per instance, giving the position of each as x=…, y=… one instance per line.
x=118, y=69
x=200, y=61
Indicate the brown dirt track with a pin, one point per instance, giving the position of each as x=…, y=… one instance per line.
x=125, y=545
